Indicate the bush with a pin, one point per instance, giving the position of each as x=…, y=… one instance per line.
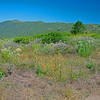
x=24, y=40
x=38, y=36
x=52, y=37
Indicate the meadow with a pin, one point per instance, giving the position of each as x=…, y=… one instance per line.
x=52, y=66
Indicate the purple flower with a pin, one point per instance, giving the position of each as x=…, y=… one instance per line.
x=10, y=45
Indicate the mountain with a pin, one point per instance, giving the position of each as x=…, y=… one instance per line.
x=16, y=28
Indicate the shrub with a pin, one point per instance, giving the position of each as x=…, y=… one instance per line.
x=38, y=36
x=52, y=37
x=24, y=40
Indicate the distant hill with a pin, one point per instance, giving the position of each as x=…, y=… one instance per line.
x=16, y=28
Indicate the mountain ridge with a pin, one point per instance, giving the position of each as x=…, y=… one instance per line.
x=15, y=28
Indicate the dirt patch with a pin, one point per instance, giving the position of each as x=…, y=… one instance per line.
x=25, y=85
x=93, y=98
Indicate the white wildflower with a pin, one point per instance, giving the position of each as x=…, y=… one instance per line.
x=18, y=50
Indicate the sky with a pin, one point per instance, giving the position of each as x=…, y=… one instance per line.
x=68, y=11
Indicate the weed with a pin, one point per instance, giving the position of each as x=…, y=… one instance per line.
x=91, y=65
x=85, y=47
x=2, y=73
x=40, y=72
x=32, y=66
x=6, y=85
x=75, y=75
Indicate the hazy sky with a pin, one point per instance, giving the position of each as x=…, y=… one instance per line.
x=87, y=11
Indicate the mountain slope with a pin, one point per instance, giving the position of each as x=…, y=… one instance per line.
x=19, y=28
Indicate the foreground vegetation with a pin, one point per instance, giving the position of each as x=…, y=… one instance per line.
x=56, y=56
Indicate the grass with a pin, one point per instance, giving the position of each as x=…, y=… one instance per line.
x=93, y=35
x=72, y=94
x=55, y=66
x=61, y=67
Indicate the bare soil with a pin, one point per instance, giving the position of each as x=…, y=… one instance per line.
x=25, y=85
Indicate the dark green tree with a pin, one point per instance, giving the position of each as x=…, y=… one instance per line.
x=78, y=28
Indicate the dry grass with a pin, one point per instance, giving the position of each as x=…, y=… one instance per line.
x=1, y=92
x=58, y=66
x=68, y=68
x=71, y=94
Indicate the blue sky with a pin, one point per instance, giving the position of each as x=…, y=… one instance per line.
x=69, y=11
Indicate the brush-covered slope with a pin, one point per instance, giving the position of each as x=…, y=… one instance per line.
x=20, y=28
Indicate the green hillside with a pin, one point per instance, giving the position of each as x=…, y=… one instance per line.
x=19, y=28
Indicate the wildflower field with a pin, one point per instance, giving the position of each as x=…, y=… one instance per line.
x=47, y=68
